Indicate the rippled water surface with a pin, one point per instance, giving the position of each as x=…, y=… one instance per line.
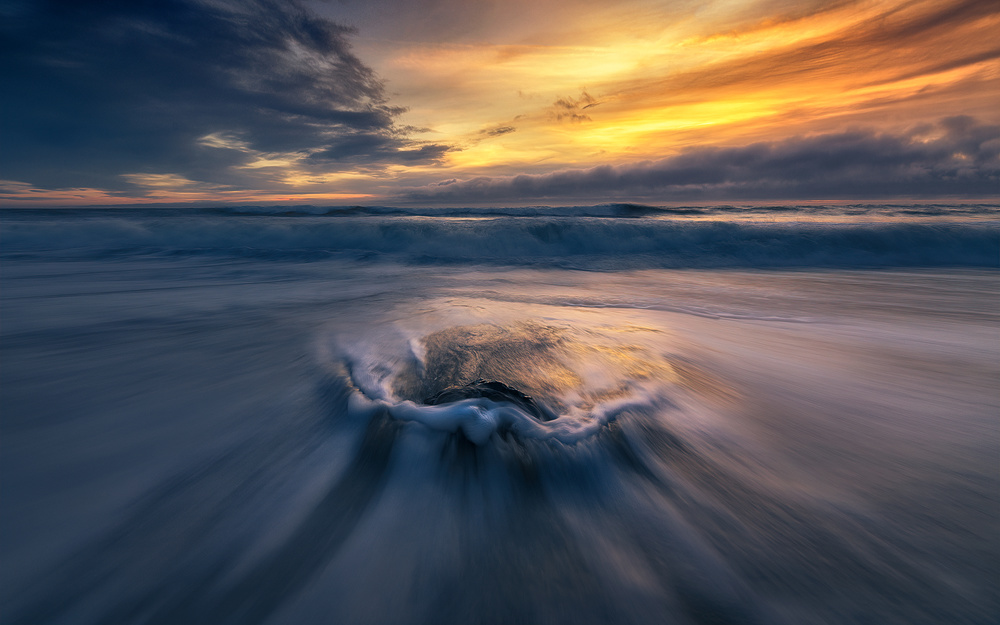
x=222, y=418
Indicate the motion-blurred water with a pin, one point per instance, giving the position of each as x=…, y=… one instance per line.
x=770, y=415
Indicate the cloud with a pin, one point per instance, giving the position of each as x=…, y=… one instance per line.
x=956, y=156
x=373, y=147
x=571, y=109
x=499, y=130
x=899, y=42
x=97, y=92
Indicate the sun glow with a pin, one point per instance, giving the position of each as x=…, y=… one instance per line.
x=643, y=96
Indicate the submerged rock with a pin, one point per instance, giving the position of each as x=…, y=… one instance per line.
x=494, y=391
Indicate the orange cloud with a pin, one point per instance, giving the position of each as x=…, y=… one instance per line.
x=751, y=77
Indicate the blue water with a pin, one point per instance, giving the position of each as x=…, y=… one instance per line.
x=763, y=414
x=597, y=237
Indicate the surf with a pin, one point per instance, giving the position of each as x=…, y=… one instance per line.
x=244, y=419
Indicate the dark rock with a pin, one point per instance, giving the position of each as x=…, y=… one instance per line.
x=494, y=391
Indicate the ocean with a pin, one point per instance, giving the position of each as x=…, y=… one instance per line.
x=602, y=414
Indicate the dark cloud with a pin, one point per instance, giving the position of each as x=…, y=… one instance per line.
x=93, y=90
x=950, y=64
x=571, y=109
x=499, y=130
x=367, y=148
x=956, y=156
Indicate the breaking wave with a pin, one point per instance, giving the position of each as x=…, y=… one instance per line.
x=626, y=236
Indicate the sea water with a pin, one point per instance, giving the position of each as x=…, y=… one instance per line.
x=738, y=414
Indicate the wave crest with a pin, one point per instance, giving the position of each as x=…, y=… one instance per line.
x=617, y=242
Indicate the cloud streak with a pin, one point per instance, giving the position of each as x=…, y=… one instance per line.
x=956, y=156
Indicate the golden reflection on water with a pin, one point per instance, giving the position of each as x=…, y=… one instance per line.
x=578, y=359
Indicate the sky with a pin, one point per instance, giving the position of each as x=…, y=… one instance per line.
x=490, y=102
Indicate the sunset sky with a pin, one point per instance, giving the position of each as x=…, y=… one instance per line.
x=497, y=102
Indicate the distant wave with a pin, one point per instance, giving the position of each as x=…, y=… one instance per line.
x=627, y=236
x=599, y=210
x=633, y=210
